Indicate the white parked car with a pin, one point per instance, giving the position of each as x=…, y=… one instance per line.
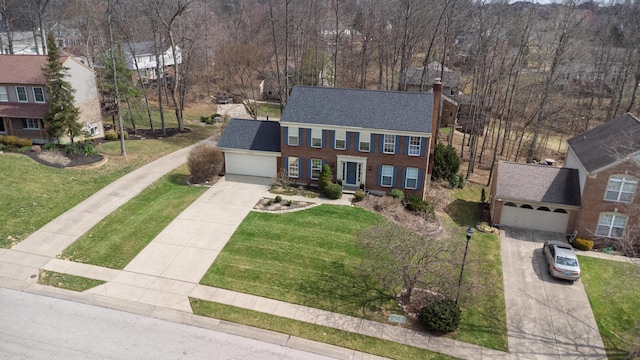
x=562, y=260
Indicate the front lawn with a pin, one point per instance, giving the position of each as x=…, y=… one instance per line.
x=32, y=194
x=307, y=257
x=120, y=236
x=311, y=258
x=612, y=288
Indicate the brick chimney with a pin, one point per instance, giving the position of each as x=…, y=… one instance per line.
x=435, y=118
x=435, y=121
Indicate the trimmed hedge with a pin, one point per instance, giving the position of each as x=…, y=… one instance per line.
x=333, y=191
x=583, y=244
x=359, y=195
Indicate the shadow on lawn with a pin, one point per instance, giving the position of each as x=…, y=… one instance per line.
x=348, y=290
x=463, y=212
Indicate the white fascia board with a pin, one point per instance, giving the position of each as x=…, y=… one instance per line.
x=251, y=152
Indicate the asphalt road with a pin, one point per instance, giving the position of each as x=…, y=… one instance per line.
x=40, y=327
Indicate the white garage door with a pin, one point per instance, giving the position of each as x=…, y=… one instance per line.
x=534, y=219
x=254, y=165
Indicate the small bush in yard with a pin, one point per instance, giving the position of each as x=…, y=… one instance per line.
x=333, y=191
x=11, y=140
x=583, y=244
x=22, y=142
x=440, y=316
x=1, y=139
x=325, y=178
x=50, y=146
x=396, y=194
x=278, y=198
x=111, y=135
x=204, y=162
x=415, y=203
x=358, y=195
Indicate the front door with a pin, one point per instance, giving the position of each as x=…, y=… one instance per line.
x=352, y=173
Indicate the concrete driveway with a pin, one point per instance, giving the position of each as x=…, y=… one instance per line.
x=547, y=318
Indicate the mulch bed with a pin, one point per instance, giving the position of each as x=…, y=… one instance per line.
x=269, y=204
x=61, y=160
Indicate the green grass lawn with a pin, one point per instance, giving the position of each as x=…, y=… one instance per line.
x=66, y=281
x=314, y=332
x=119, y=237
x=34, y=194
x=310, y=258
x=269, y=109
x=612, y=288
x=484, y=317
x=307, y=257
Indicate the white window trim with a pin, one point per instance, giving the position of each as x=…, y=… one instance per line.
x=29, y=122
x=392, y=143
x=318, y=168
x=93, y=129
x=293, y=170
x=406, y=180
x=382, y=176
x=5, y=93
x=35, y=97
x=417, y=147
x=341, y=135
x=316, y=134
x=611, y=223
x=25, y=94
x=623, y=180
x=367, y=136
x=293, y=130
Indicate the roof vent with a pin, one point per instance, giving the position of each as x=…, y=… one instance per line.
x=584, y=138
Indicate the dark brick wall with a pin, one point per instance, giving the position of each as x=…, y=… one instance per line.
x=593, y=202
x=374, y=158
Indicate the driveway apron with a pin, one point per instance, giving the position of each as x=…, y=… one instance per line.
x=547, y=318
x=187, y=247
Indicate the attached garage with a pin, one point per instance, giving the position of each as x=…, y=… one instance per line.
x=535, y=197
x=251, y=147
x=528, y=216
x=251, y=164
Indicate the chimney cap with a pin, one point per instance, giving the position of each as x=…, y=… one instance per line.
x=437, y=81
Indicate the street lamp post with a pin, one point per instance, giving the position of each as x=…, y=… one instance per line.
x=469, y=233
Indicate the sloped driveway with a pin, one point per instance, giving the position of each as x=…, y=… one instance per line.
x=547, y=318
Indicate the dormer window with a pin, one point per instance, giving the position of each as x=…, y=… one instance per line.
x=621, y=188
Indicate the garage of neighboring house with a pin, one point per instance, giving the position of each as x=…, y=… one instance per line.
x=251, y=147
x=535, y=197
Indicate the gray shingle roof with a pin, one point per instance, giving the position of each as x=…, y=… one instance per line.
x=373, y=109
x=253, y=135
x=607, y=143
x=539, y=183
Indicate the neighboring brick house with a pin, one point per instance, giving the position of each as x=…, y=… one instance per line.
x=602, y=169
x=23, y=96
x=375, y=140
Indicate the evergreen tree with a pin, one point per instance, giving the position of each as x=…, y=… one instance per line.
x=62, y=117
x=126, y=87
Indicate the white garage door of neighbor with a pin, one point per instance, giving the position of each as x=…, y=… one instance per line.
x=534, y=219
x=254, y=165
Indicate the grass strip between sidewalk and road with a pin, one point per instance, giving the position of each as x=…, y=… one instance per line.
x=313, y=332
x=120, y=236
x=66, y=281
x=612, y=288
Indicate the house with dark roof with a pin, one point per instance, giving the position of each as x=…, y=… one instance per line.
x=24, y=98
x=373, y=140
x=595, y=194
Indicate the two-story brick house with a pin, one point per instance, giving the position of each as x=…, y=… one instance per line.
x=595, y=194
x=374, y=140
x=24, y=98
